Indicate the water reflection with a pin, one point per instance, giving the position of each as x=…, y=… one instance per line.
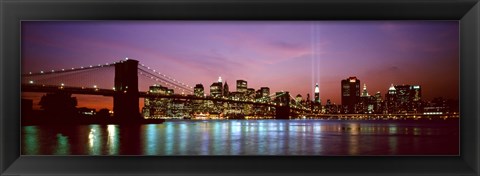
x=30, y=140
x=112, y=141
x=242, y=137
x=62, y=147
x=94, y=140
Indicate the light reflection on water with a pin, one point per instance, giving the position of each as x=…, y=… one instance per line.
x=242, y=137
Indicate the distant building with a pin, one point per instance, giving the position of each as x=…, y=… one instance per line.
x=391, y=100
x=365, y=92
x=216, y=89
x=404, y=99
x=250, y=93
x=378, y=103
x=350, y=94
x=157, y=107
x=226, y=92
x=403, y=96
x=367, y=102
x=317, y=93
x=416, y=93
x=316, y=102
x=378, y=97
x=199, y=90
x=265, y=91
x=241, y=86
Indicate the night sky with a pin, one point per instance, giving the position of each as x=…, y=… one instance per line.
x=289, y=55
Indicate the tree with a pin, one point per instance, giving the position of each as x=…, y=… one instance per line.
x=103, y=113
x=59, y=105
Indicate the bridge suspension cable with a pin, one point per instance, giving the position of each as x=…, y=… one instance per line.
x=67, y=70
x=165, y=77
x=95, y=76
x=164, y=81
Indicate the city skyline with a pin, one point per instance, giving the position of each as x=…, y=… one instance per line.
x=278, y=55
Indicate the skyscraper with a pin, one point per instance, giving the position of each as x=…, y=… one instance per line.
x=316, y=101
x=365, y=92
x=216, y=88
x=241, y=86
x=251, y=93
x=317, y=93
x=350, y=93
x=157, y=107
x=226, y=92
x=408, y=97
x=265, y=94
x=416, y=93
x=198, y=90
x=391, y=100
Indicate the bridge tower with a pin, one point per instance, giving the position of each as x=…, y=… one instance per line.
x=125, y=100
x=282, y=110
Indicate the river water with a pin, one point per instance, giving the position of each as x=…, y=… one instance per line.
x=247, y=137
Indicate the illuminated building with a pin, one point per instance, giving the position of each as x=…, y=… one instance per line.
x=265, y=94
x=198, y=105
x=258, y=95
x=316, y=102
x=365, y=92
x=416, y=93
x=242, y=86
x=216, y=88
x=408, y=98
x=350, y=94
x=378, y=97
x=157, y=107
x=390, y=100
x=317, y=93
x=404, y=99
x=199, y=90
x=403, y=94
x=250, y=93
x=378, y=102
x=331, y=108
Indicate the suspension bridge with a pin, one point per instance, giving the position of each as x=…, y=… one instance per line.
x=125, y=90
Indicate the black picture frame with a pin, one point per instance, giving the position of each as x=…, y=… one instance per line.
x=14, y=11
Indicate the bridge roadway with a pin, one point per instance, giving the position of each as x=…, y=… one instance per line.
x=111, y=93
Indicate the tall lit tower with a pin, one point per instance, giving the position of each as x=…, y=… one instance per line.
x=317, y=93
x=365, y=92
x=392, y=90
x=390, y=99
x=316, y=101
x=216, y=88
x=350, y=91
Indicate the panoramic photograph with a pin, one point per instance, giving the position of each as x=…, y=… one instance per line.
x=244, y=88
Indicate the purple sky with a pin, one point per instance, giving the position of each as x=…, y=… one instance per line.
x=289, y=55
